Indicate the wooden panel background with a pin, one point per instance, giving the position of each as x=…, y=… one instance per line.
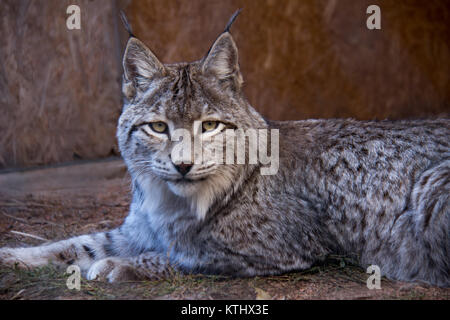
x=59, y=89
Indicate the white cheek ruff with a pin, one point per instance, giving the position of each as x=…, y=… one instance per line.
x=196, y=197
x=208, y=192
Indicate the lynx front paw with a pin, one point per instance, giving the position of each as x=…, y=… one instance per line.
x=113, y=270
x=19, y=257
x=7, y=257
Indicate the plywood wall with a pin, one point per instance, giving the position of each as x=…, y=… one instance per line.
x=59, y=90
x=316, y=58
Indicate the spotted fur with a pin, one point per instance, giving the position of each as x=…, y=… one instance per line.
x=376, y=189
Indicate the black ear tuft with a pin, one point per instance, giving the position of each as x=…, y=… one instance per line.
x=126, y=24
x=222, y=59
x=230, y=22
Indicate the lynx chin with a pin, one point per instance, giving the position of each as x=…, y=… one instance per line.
x=376, y=189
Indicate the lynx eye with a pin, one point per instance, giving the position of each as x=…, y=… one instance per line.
x=159, y=127
x=209, y=125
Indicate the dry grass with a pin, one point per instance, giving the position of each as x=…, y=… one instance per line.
x=333, y=280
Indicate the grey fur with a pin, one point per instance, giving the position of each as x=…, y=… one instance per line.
x=377, y=189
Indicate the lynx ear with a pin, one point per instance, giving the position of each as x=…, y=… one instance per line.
x=140, y=65
x=222, y=60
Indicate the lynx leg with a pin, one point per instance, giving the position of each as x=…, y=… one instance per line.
x=82, y=251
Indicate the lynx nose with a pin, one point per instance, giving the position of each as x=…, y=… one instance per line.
x=183, y=168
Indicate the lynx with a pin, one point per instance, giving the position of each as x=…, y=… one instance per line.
x=375, y=189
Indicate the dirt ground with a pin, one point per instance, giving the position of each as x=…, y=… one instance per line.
x=47, y=204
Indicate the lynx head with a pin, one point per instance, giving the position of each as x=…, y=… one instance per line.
x=202, y=98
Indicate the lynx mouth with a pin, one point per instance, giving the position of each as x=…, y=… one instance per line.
x=185, y=187
x=185, y=180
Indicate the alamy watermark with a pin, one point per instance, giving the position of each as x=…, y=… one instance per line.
x=74, y=280
x=73, y=21
x=374, y=20
x=374, y=281
x=232, y=146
